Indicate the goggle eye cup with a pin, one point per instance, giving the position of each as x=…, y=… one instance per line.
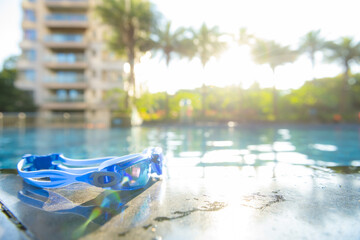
x=133, y=177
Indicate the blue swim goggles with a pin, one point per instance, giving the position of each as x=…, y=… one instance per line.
x=117, y=173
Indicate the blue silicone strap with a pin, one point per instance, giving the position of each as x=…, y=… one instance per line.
x=55, y=170
x=86, y=162
x=57, y=178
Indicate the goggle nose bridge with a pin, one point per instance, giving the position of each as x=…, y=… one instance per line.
x=105, y=179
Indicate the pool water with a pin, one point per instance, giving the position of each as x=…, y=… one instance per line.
x=255, y=145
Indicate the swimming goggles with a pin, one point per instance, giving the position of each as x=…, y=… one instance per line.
x=117, y=173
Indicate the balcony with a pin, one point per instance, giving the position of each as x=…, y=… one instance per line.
x=65, y=41
x=28, y=4
x=65, y=82
x=57, y=103
x=66, y=61
x=67, y=4
x=28, y=24
x=77, y=21
x=24, y=63
x=27, y=44
x=24, y=84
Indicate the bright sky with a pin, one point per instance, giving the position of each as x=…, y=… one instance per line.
x=10, y=28
x=281, y=20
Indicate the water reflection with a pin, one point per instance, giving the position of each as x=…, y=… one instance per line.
x=325, y=145
x=98, y=210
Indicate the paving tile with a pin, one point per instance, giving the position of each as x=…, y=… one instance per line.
x=272, y=202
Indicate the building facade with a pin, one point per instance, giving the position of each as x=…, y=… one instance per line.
x=65, y=63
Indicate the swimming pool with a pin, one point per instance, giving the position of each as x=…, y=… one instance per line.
x=255, y=145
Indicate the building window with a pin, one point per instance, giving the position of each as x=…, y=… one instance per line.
x=60, y=37
x=30, y=34
x=30, y=55
x=69, y=57
x=68, y=95
x=61, y=95
x=66, y=17
x=30, y=15
x=29, y=75
x=69, y=77
x=74, y=94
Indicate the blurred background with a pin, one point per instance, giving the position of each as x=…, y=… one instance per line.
x=263, y=95
x=214, y=83
x=96, y=64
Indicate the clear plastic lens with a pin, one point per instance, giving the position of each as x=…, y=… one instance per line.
x=136, y=176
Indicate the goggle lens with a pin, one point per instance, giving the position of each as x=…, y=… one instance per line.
x=135, y=176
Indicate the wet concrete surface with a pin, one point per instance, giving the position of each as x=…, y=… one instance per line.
x=278, y=201
x=9, y=227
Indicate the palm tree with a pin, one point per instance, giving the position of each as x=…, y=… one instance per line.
x=207, y=44
x=310, y=44
x=131, y=22
x=244, y=37
x=273, y=54
x=170, y=43
x=344, y=51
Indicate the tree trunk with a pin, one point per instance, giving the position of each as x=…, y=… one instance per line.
x=275, y=107
x=126, y=100
x=167, y=58
x=132, y=78
x=167, y=108
x=241, y=102
x=312, y=58
x=203, y=98
x=132, y=88
x=343, y=101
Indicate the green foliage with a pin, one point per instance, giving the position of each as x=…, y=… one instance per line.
x=11, y=98
x=315, y=101
x=151, y=106
x=343, y=51
x=116, y=100
x=193, y=96
x=131, y=23
x=355, y=92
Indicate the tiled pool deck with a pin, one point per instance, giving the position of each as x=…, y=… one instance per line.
x=269, y=202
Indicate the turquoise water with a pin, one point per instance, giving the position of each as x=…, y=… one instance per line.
x=321, y=145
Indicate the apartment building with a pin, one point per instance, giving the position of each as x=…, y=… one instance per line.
x=65, y=63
